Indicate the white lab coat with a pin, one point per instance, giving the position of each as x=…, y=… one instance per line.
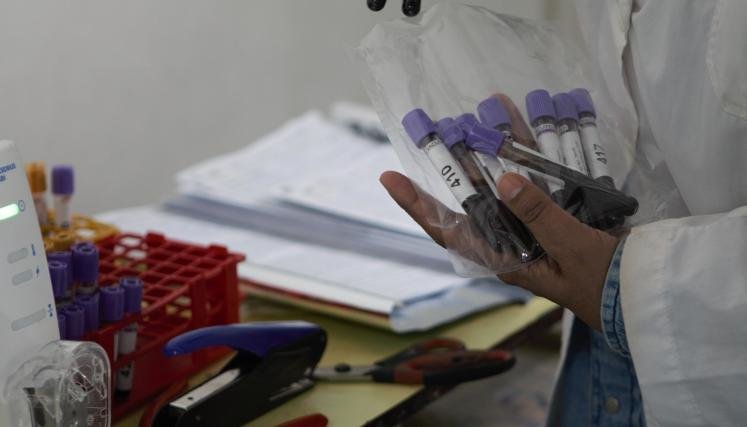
x=684, y=281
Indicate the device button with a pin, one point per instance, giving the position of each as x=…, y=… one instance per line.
x=29, y=320
x=22, y=277
x=18, y=255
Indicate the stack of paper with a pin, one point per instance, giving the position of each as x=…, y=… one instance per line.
x=305, y=205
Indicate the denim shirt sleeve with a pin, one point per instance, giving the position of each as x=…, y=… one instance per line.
x=613, y=326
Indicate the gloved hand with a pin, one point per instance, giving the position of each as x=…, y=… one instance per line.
x=409, y=7
x=573, y=272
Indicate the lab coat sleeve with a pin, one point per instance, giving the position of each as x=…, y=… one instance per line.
x=683, y=290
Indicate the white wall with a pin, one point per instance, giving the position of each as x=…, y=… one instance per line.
x=132, y=91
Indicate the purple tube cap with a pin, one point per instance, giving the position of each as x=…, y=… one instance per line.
x=418, y=125
x=466, y=121
x=584, y=104
x=66, y=257
x=539, y=104
x=485, y=140
x=60, y=276
x=111, y=303
x=492, y=113
x=133, y=289
x=85, y=262
x=74, y=322
x=443, y=124
x=63, y=180
x=90, y=306
x=82, y=245
x=565, y=107
x=452, y=134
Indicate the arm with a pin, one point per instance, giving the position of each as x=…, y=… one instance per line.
x=682, y=287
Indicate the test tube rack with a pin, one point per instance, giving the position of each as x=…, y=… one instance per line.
x=184, y=287
x=82, y=228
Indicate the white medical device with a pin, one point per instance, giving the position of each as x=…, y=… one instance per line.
x=43, y=381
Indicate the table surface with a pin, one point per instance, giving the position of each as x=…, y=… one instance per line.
x=348, y=404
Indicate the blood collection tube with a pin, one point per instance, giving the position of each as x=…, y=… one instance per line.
x=58, y=273
x=594, y=150
x=570, y=140
x=487, y=156
x=468, y=120
x=541, y=112
x=67, y=258
x=507, y=148
x=90, y=305
x=493, y=114
x=37, y=177
x=493, y=146
x=453, y=137
x=485, y=211
x=422, y=131
x=607, y=201
x=74, y=322
x=133, y=289
x=85, y=267
x=111, y=305
x=455, y=140
x=62, y=191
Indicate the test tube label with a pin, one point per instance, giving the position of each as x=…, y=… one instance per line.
x=62, y=211
x=128, y=339
x=450, y=171
x=125, y=377
x=549, y=145
x=570, y=143
x=595, y=152
x=127, y=343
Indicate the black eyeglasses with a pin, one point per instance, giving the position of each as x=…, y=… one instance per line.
x=409, y=7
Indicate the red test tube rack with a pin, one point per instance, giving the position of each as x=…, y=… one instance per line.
x=184, y=287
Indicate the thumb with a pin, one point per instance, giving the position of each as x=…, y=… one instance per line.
x=554, y=228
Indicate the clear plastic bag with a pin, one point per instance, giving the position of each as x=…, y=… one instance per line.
x=465, y=96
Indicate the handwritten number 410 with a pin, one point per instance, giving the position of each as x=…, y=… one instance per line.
x=448, y=173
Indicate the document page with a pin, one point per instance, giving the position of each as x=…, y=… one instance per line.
x=341, y=276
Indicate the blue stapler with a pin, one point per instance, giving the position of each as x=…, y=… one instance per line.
x=274, y=363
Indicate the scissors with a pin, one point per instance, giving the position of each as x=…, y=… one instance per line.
x=438, y=361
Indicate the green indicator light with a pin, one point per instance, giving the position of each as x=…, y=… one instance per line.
x=9, y=211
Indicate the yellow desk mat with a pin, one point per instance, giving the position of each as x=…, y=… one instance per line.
x=352, y=404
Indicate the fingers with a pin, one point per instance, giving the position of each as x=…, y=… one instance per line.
x=400, y=188
x=555, y=229
x=452, y=230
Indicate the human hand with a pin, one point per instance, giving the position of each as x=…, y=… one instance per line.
x=578, y=256
x=449, y=229
x=572, y=273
